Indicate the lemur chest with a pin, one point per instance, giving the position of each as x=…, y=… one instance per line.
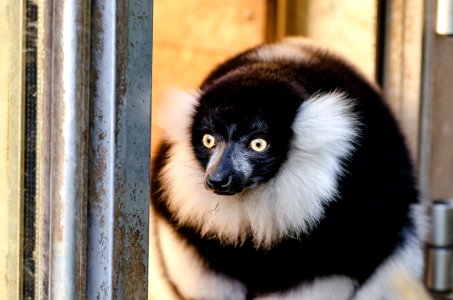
x=286, y=265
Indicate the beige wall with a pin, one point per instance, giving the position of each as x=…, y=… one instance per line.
x=347, y=26
x=192, y=36
x=11, y=110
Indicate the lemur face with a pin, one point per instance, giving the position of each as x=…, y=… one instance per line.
x=240, y=135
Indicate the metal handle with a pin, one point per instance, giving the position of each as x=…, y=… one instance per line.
x=439, y=275
x=444, y=22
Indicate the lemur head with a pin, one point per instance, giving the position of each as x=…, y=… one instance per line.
x=242, y=128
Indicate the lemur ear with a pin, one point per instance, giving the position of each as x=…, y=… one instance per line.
x=174, y=114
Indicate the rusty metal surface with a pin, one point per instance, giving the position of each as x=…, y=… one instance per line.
x=68, y=148
x=120, y=146
x=102, y=151
x=44, y=68
x=134, y=190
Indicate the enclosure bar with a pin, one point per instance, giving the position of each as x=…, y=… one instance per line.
x=102, y=150
x=68, y=148
x=43, y=147
x=133, y=153
x=119, y=149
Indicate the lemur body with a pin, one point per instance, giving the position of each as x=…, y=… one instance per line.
x=284, y=176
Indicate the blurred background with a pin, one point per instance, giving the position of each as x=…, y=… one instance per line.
x=192, y=37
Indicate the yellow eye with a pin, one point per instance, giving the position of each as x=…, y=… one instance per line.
x=258, y=145
x=208, y=141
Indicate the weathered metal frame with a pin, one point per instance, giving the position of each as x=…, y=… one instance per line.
x=43, y=147
x=81, y=230
x=69, y=125
x=436, y=147
x=416, y=72
x=402, y=64
x=120, y=145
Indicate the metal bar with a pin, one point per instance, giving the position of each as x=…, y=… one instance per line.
x=102, y=150
x=402, y=64
x=43, y=146
x=133, y=155
x=68, y=149
x=444, y=17
x=425, y=127
x=120, y=148
x=439, y=273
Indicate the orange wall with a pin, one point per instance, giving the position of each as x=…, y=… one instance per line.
x=193, y=36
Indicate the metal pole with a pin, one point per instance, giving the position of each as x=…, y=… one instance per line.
x=102, y=150
x=69, y=146
x=439, y=275
x=119, y=149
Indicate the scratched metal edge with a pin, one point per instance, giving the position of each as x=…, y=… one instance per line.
x=83, y=92
x=102, y=147
x=133, y=149
x=68, y=192
x=44, y=45
x=120, y=98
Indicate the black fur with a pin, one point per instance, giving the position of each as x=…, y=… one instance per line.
x=371, y=216
x=258, y=117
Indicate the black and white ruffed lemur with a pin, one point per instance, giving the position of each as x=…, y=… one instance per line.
x=284, y=176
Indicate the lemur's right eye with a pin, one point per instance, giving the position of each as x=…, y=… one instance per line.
x=208, y=141
x=258, y=145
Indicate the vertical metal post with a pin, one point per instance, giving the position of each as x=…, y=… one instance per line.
x=102, y=152
x=43, y=147
x=439, y=273
x=133, y=154
x=68, y=148
x=80, y=147
x=119, y=149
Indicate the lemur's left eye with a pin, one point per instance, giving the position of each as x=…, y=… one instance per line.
x=258, y=145
x=208, y=141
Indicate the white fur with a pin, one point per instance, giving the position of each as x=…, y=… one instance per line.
x=293, y=49
x=329, y=288
x=299, y=49
x=419, y=215
x=241, y=163
x=279, y=51
x=216, y=155
x=193, y=280
x=396, y=279
x=292, y=202
x=398, y=276
x=175, y=114
x=159, y=287
x=186, y=269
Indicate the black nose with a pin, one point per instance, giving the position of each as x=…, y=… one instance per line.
x=220, y=183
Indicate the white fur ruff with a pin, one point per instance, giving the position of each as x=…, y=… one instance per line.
x=325, y=129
